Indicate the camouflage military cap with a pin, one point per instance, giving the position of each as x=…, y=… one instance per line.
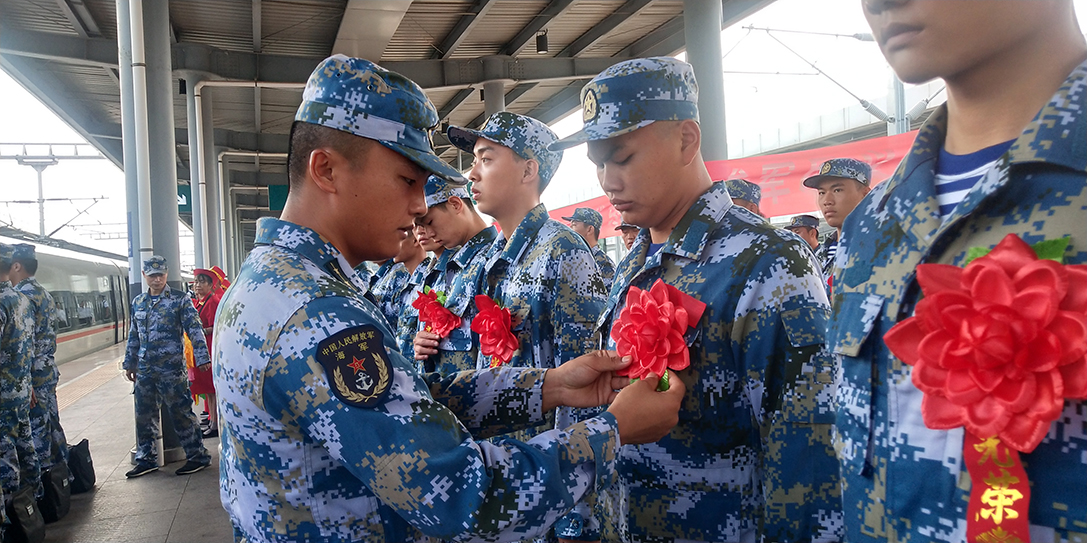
x=438, y=190
x=364, y=99
x=744, y=190
x=24, y=251
x=525, y=136
x=154, y=265
x=803, y=220
x=588, y=216
x=627, y=226
x=633, y=94
x=7, y=252
x=849, y=168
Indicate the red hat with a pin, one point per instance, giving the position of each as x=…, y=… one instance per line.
x=221, y=275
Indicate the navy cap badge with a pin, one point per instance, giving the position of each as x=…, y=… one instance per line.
x=589, y=113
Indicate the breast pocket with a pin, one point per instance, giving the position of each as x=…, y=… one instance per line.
x=852, y=331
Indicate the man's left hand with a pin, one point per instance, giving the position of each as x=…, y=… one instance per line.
x=586, y=381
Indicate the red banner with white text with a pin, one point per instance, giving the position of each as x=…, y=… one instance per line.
x=781, y=176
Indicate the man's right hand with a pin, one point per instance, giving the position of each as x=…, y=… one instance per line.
x=130, y=375
x=426, y=344
x=645, y=415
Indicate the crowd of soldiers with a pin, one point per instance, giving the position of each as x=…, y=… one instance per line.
x=32, y=440
x=349, y=413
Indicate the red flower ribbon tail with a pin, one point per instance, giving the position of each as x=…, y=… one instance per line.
x=999, y=492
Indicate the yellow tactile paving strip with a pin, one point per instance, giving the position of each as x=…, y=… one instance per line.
x=72, y=391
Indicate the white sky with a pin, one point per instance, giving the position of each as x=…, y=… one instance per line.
x=754, y=103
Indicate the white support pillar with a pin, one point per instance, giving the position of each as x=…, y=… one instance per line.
x=702, y=22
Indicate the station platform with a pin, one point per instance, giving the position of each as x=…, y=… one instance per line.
x=95, y=403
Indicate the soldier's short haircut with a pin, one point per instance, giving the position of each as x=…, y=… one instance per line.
x=5, y=267
x=306, y=137
x=29, y=264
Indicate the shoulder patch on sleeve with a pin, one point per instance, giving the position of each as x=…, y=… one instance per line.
x=357, y=366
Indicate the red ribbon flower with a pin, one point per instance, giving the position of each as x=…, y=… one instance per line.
x=433, y=314
x=650, y=329
x=997, y=347
x=493, y=323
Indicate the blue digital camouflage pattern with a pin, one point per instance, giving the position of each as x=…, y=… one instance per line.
x=803, y=220
x=378, y=271
x=49, y=439
x=155, y=351
x=751, y=458
x=525, y=136
x=23, y=251
x=359, y=97
x=546, y=276
x=633, y=94
x=825, y=254
x=458, y=351
x=588, y=216
x=849, y=168
x=408, y=322
x=300, y=465
x=19, y=466
x=155, y=265
x=606, y=266
x=438, y=191
x=902, y=481
x=744, y=190
x=390, y=292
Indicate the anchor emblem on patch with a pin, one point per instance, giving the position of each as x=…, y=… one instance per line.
x=357, y=366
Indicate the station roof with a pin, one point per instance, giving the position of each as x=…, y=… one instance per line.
x=65, y=53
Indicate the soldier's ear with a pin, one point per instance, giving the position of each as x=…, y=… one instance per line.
x=320, y=168
x=532, y=170
x=690, y=138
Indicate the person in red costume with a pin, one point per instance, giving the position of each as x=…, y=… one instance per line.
x=209, y=289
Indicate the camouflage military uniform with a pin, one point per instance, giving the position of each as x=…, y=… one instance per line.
x=458, y=351
x=825, y=254
x=49, y=440
x=606, y=267
x=19, y=464
x=389, y=292
x=903, y=482
x=751, y=458
x=300, y=462
x=155, y=353
x=428, y=274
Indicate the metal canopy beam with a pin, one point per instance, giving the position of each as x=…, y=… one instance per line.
x=558, y=106
x=609, y=23
x=464, y=26
x=367, y=26
x=55, y=95
x=80, y=18
x=513, y=94
x=555, y=9
x=243, y=66
x=456, y=100
x=241, y=141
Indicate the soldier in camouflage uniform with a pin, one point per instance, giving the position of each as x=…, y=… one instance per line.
x=586, y=221
x=391, y=291
x=427, y=274
x=452, y=221
x=19, y=466
x=539, y=268
x=154, y=360
x=745, y=194
x=807, y=227
x=751, y=459
x=329, y=434
x=840, y=184
x=49, y=440
x=904, y=482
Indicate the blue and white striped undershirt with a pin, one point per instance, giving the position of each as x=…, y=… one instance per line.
x=957, y=174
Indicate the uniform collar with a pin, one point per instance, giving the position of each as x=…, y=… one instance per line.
x=166, y=292
x=473, y=246
x=523, y=235
x=1057, y=135
x=308, y=243
x=689, y=237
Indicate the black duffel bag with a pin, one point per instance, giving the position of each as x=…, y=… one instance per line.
x=81, y=467
x=54, y=504
x=25, y=523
